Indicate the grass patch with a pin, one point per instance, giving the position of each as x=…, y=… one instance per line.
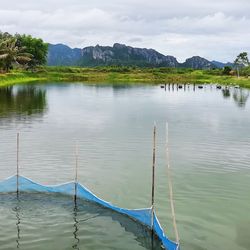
x=121, y=75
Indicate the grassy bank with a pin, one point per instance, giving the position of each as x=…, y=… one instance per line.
x=120, y=75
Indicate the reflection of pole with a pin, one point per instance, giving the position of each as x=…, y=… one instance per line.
x=77, y=240
x=17, y=165
x=75, y=246
x=17, y=208
x=76, y=171
x=153, y=179
x=170, y=187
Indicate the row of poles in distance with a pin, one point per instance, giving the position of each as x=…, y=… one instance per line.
x=170, y=186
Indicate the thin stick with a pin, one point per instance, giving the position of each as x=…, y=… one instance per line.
x=17, y=164
x=153, y=178
x=76, y=170
x=170, y=187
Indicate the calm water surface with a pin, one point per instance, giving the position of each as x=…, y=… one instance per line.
x=209, y=133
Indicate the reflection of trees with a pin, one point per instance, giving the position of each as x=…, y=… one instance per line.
x=25, y=101
x=240, y=96
x=226, y=93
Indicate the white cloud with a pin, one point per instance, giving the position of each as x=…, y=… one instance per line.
x=210, y=28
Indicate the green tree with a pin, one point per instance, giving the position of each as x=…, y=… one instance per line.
x=34, y=46
x=226, y=70
x=11, y=54
x=241, y=61
x=3, y=36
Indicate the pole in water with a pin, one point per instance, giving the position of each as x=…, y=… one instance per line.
x=17, y=164
x=153, y=178
x=76, y=170
x=170, y=187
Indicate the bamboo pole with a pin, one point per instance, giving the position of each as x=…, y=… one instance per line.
x=170, y=187
x=17, y=163
x=153, y=178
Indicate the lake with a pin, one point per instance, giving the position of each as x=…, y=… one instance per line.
x=209, y=143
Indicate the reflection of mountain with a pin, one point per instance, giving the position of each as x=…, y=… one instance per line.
x=25, y=101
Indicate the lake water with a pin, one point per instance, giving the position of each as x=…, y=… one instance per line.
x=209, y=141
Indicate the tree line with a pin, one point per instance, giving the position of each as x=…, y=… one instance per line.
x=22, y=51
x=241, y=66
x=27, y=52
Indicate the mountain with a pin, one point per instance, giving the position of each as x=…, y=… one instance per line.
x=197, y=62
x=222, y=65
x=122, y=55
x=119, y=54
x=62, y=55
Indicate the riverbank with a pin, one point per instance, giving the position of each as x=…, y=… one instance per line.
x=121, y=75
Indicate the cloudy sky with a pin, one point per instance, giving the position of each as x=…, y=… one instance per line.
x=215, y=29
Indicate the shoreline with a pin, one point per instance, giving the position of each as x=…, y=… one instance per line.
x=119, y=75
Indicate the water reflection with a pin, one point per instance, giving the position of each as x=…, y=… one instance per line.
x=226, y=93
x=40, y=209
x=24, y=101
x=142, y=234
x=18, y=222
x=76, y=222
x=240, y=97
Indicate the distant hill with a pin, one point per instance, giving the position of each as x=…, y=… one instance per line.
x=197, y=62
x=124, y=55
x=62, y=55
x=120, y=55
x=222, y=65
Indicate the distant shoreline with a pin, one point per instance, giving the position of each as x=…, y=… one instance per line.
x=120, y=75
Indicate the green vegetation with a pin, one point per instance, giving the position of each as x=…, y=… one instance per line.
x=11, y=54
x=34, y=46
x=124, y=75
x=22, y=58
x=21, y=51
x=241, y=62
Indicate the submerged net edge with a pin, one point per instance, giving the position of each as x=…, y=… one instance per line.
x=141, y=215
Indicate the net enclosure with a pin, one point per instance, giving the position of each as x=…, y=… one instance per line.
x=145, y=216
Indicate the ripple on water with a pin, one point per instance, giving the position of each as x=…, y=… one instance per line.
x=209, y=139
x=38, y=220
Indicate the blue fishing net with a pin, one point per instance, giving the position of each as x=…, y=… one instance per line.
x=143, y=216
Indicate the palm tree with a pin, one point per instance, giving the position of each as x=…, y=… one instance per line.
x=10, y=53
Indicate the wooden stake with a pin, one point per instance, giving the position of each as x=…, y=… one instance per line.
x=170, y=187
x=153, y=178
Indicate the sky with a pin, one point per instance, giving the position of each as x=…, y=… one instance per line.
x=214, y=29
